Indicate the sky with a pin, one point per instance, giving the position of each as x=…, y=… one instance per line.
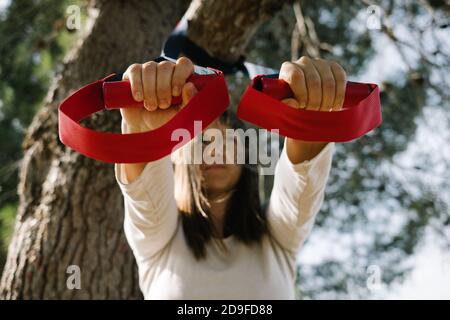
x=430, y=278
x=3, y=4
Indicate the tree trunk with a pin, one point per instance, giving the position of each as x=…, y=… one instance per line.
x=71, y=210
x=223, y=28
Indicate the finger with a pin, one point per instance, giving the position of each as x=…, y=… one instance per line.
x=292, y=103
x=164, y=83
x=313, y=83
x=340, y=77
x=183, y=69
x=149, y=85
x=188, y=91
x=134, y=75
x=328, y=84
x=294, y=76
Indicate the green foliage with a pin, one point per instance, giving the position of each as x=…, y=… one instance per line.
x=7, y=217
x=362, y=177
x=33, y=41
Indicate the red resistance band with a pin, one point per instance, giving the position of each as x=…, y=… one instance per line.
x=360, y=114
x=207, y=105
x=260, y=105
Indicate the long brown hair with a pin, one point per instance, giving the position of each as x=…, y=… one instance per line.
x=244, y=217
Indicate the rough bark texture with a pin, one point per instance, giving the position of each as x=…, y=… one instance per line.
x=226, y=33
x=71, y=210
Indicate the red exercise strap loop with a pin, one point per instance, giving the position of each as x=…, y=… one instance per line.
x=361, y=112
x=260, y=105
x=137, y=147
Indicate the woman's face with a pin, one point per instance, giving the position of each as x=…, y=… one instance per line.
x=220, y=175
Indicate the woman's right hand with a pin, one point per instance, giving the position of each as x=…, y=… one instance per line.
x=155, y=84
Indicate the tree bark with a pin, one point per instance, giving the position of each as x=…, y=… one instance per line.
x=223, y=28
x=71, y=210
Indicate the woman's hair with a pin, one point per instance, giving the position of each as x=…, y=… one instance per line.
x=244, y=217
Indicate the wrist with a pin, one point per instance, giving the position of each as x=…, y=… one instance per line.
x=126, y=128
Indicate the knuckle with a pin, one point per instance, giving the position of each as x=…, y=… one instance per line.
x=286, y=69
x=286, y=65
x=334, y=64
x=134, y=68
x=183, y=61
x=165, y=65
x=295, y=76
x=322, y=64
x=304, y=60
x=149, y=66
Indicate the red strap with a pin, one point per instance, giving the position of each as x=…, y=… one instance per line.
x=116, y=94
x=136, y=147
x=361, y=112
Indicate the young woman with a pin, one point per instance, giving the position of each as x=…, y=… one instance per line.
x=198, y=231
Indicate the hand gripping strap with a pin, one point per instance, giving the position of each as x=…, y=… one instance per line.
x=261, y=106
x=208, y=104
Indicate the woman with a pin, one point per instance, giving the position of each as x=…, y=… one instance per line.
x=198, y=231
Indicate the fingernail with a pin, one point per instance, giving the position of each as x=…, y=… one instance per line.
x=138, y=96
x=176, y=91
x=149, y=106
x=164, y=104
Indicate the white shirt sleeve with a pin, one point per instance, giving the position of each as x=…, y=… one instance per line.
x=151, y=213
x=297, y=196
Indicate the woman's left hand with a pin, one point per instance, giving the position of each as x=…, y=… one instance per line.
x=318, y=85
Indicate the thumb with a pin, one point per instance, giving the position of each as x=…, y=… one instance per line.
x=188, y=91
x=292, y=103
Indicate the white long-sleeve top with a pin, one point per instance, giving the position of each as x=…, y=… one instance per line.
x=168, y=269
